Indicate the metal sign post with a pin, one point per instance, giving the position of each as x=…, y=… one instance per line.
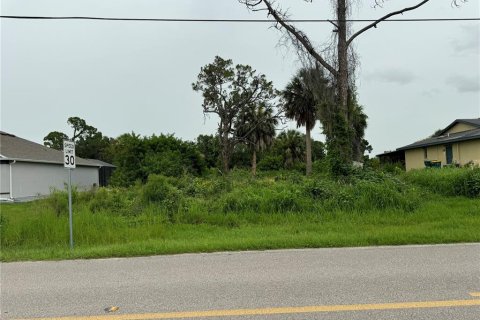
x=69, y=163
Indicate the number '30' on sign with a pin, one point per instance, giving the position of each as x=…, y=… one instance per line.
x=68, y=154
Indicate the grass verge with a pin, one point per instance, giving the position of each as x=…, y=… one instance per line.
x=30, y=231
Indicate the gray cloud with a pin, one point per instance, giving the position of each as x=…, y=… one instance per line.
x=469, y=40
x=430, y=93
x=395, y=76
x=464, y=84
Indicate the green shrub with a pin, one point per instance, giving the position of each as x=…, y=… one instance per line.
x=343, y=199
x=270, y=163
x=321, y=167
x=320, y=189
x=472, y=183
x=367, y=174
x=118, y=201
x=447, y=181
x=157, y=189
x=138, y=157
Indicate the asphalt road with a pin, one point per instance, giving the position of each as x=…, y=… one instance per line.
x=408, y=282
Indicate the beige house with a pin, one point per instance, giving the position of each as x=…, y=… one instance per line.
x=457, y=144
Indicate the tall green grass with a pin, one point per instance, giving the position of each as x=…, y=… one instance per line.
x=447, y=181
x=276, y=210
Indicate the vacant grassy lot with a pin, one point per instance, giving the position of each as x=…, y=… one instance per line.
x=277, y=210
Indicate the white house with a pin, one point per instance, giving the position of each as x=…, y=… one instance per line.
x=29, y=170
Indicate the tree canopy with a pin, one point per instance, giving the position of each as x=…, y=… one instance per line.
x=138, y=157
x=89, y=142
x=226, y=91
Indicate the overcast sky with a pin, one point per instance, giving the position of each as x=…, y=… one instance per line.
x=121, y=76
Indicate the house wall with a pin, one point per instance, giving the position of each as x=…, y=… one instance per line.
x=463, y=153
x=459, y=127
x=436, y=153
x=4, y=180
x=33, y=179
x=468, y=151
x=414, y=159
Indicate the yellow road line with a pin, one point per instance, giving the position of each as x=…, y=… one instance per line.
x=475, y=294
x=271, y=311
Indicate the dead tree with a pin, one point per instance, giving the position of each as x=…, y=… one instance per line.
x=338, y=66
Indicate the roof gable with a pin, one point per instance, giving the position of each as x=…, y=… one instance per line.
x=475, y=123
x=445, y=139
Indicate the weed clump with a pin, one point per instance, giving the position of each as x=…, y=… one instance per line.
x=117, y=201
x=58, y=201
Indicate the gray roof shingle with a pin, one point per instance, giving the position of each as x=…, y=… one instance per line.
x=15, y=148
x=445, y=139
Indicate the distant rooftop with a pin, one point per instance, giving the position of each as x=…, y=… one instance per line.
x=15, y=148
x=449, y=138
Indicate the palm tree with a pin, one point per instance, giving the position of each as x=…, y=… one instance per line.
x=300, y=105
x=256, y=127
x=291, y=146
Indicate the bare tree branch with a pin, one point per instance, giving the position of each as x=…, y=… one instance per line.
x=374, y=24
x=297, y=34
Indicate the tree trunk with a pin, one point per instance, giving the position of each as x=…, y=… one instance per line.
x=254, y=162
x=342, y=51
x=342, y=130
x=225, y=162
x=225, y=144
x=308, y=153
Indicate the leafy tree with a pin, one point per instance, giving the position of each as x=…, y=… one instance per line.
x=138, y=157
x=94, y=147
x=54, y=140
x=318, y=150
x=128, y=152
x=80, y=128
x=227, y=90
x=89, y=142
x=241, y=156
x=209, y=147
x=271, y=162
x=256, y=126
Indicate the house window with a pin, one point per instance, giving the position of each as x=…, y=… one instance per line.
x=425, y=155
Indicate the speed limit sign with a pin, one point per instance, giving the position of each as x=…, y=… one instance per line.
x=68, y=154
